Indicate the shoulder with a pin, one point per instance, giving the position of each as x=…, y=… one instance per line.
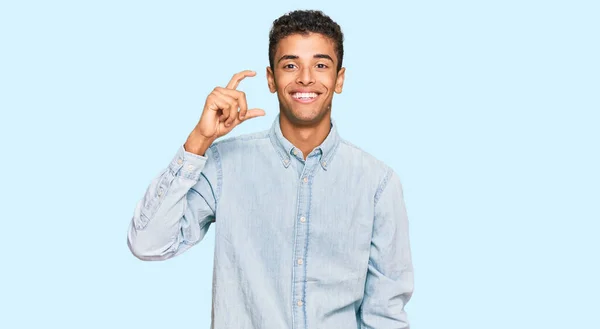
x=357, y=156
x=233, y=144
x=378, y=171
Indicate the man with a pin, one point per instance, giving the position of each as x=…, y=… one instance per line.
x=310, y=231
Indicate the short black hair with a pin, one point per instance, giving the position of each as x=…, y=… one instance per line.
x=305, y=22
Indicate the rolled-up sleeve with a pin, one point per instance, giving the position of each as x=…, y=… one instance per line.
x=177, y=208
x=389, y=283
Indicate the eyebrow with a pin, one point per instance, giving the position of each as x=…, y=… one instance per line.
x=324, y=56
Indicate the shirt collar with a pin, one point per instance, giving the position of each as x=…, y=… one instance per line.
x=285, y=148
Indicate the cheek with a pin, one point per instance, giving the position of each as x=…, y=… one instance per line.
x=282, y=80
x=329, y=82
x=282, y=86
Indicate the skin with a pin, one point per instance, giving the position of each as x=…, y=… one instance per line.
x=224, y=109
x=307, y=63
x=302, y=63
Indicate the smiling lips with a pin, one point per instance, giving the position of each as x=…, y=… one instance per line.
x=303, y=97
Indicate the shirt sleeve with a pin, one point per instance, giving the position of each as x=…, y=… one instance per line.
x=389, y=282
x=177, y=208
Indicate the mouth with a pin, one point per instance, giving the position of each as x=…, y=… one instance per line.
x=305, y=97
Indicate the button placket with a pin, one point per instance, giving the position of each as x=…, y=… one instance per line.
x=302, y=238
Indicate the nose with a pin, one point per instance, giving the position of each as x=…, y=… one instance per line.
x=305, y=77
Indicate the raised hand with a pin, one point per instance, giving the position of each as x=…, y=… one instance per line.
x=225, y=108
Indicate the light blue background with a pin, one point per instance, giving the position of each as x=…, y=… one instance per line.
x=488, y=110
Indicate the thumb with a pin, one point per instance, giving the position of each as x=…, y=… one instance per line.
x=253, y=113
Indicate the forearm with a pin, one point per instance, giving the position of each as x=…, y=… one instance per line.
x=156, y=229
x=386, y=296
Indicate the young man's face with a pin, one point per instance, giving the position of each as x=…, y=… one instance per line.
x=305, y=77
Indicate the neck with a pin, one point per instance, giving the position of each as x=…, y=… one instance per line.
x=306, y=138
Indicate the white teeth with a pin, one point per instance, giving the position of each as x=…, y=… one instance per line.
x=304, y=95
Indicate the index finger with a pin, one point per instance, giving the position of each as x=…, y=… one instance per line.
x=238, y=77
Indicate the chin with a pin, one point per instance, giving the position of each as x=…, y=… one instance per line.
x=306, y=117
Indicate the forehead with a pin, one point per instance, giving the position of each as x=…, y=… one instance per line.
x=305, y=45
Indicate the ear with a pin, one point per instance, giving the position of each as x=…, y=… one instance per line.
x=339, y=81
x=271, y=80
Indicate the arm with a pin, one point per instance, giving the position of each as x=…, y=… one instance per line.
x=389, y=283
x=179, y=205
x=177, y=208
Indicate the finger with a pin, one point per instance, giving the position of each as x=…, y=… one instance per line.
x=240, y=97
x=232, y=113
x=220, y=105
x=218, y=102
x=238, y=77
x=253, y=113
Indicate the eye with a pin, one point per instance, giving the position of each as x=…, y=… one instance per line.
x=321, y=66
x=289, y=66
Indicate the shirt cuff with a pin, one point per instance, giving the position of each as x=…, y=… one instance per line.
x=187, y=165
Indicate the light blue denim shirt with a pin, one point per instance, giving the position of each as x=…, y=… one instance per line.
x=320, y=243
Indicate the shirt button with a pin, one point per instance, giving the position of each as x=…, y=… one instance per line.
x=179, y=161
x=305, y=179
x=295, y=152
x=300, y=303
x=303, y=219
x=160, y=191
x=300, y=261
x=190, y=167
